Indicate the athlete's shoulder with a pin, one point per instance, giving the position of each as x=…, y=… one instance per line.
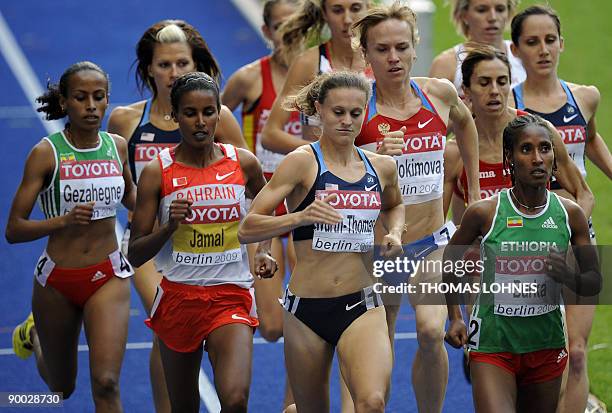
x=246, y=75
x=44, y=147
x=442, y=89
x=444, y=65
x=245, y=156
x=586, y=95
x=123, y=119
x=250, y=71
x=120, y=141
x=128, y=112
x=483, y=208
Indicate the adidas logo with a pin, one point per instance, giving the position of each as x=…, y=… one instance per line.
x=562, y=355
x=98, y=276
x=550, y=224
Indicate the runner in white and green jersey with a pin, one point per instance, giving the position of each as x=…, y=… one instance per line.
x=516, y=330
x=79, y=176
x=82, y=176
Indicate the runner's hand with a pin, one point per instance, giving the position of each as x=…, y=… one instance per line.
x=393, y=143
x=391, y=246
x=321, y=212
x=80, y=215
x=179, y=210
x=456, y=335
x=557, y=269
x=265, y=265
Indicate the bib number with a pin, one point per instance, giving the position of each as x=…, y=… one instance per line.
x=474, y=333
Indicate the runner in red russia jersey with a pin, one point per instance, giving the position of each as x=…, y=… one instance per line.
x=407, y=119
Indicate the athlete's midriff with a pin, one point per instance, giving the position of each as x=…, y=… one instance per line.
x=73, y=247
x=328, y=274
x=423, y=219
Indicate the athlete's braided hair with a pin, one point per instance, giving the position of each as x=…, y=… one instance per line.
x=476, y=53
x=319, y=88
x=516, y=27
x=50, y=101
x=190, y=82
x=171, y=31
x=514, y=130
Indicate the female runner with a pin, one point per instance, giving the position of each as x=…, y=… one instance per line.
x=197, y=191
x=79, y=176
x=335, y=54
x=165, y=51
x=334, y=203
x=571, y=108
x=518, y=346
x=407, y=118
x=480, y=21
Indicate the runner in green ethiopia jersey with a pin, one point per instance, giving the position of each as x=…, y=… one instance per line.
x=515, y=333
x=79, y=176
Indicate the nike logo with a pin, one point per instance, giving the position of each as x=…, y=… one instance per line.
x=369, y=188
x=350, y=307
x=566, y=119
x=237, y=317
x=222, y=177
x=418, y=254
x=422, y=125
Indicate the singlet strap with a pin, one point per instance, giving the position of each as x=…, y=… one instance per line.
x=166, y=158
x=372, y=103
x=570, y=97
x=266, y=74
x=424, y=100
x=316, y=148
x=144, y=119
x=230, y=151
x=368, y=165
x=517, y=92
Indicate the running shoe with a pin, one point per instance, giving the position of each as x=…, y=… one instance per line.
x=594, y=405
x=22, y=341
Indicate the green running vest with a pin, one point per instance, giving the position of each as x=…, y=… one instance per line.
x=517, y=308
x=82, y=176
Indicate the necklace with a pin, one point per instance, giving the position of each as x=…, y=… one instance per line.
x=71, y=140
x=528, y=208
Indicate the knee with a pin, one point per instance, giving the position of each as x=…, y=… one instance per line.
x=271, y=333
x=577, y=360
x=373, y=403
x=430, y=336
x=235, y=402
x=105, y=387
